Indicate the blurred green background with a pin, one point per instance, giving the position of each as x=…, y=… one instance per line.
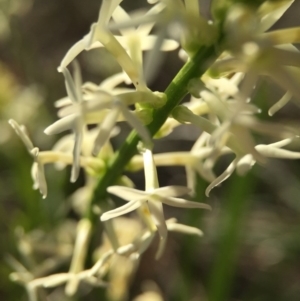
x=251, y=246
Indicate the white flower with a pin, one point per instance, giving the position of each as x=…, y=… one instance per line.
x=238, y=140
x=112, y=107
x=89, y=276
x=257, y=53
x=82, y=112
x=133, y=41
x=150, y=201
x=38, y=174
x=137, y=40
x=87, y=42
x=109, y=121
x=244, y=163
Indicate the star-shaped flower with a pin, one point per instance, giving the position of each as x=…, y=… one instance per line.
x=101, y=107
x=127, y=48
x=150, y=201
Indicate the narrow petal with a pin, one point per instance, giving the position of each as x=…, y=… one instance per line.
x=204, y=172
x=190, y=178
x=127, y=249
x=150, y=172
x=180, y=203
x=166, y=45
x=288, y=79
x=286, y=57
x=145, y=29
x=111, y=234
x=41, y=179
x=116, y=49
x=273, y=152
x=77, y=80
x=106, y=11
x=34, y=172
x=61, y=125
x=22, y=134
x=283, y=36
x=228, y=65
x=175, y=227
x=76, y=154
x=282, y=143
x=225, y=175
x=105, y=130
x=69, y=110
x=72, y=53
x=120, y=15
x=144, y=242
x=65, y=101
x=172, y=191
x=120, y=211
x=96, y=267
x=70, y=86
x=157, y=215
x=247, y=142
x=215, y=104
x=128, y=194
x=271, y=12
x=244, y=165
x=137, y=125
x=280, y=103
x=100, y=101
x=56, y=280
x=183, y=114
x=219, y=137
x=113, y=81
x=94, y=45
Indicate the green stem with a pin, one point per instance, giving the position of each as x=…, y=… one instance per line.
x=177, y=89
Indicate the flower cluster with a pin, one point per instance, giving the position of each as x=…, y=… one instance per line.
x=236, y=48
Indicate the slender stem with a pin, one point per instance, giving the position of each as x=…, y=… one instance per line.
x=177, y=89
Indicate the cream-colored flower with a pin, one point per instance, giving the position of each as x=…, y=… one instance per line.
x=100, y=36
x=238, y=140
x=255, y=53
x=137, y=40
x=38, y=173
x=150, y=201
x=45, y=157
